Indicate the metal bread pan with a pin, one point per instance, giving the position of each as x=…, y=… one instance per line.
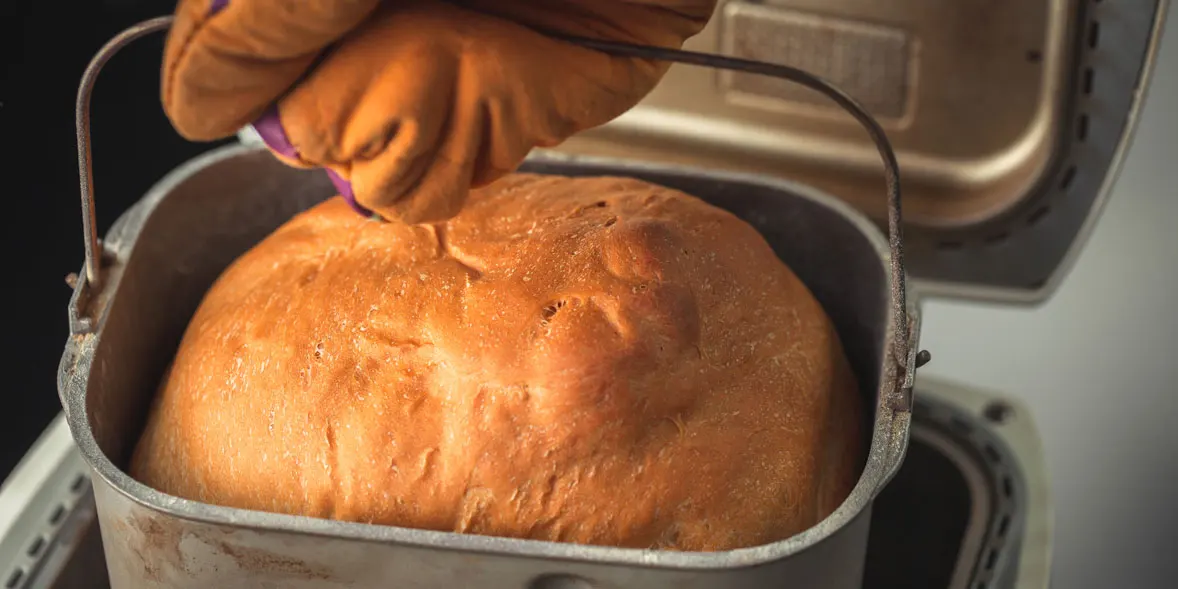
x=142, y=284
x=164, y=253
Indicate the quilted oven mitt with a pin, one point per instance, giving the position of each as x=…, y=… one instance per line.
x=410, y=103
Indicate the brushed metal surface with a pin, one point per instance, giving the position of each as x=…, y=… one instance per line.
x=1017, y=116
x=978, y=84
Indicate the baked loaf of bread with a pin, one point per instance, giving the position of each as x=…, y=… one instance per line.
x=600, y=361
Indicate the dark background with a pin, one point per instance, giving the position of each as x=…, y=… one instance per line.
x=46, y=46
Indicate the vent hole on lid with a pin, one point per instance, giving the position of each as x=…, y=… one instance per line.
x=1093, y=34
x=980, y=585
x=1068, y=176
x=998, y=412
x=611, y=221
x=14, y=579
x=991, y=559
x=1008, y=487
x=1003, y=526
x=78, y=483
x=36, y=546
x=1089, y=75
x=950, y=245
x=1038, y=214
x=1034, y=56
x=58, y=513
x=1082, y=128
x=601, y=204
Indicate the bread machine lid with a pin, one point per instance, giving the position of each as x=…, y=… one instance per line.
x=1010, y=120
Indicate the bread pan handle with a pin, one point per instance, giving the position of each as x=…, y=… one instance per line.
x=91, y=278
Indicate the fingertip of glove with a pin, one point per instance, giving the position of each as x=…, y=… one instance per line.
x=345, y=191
x=269, y=128
x=190, y=126
x=190, y=17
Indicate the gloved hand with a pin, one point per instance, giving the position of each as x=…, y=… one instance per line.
x=409, y=103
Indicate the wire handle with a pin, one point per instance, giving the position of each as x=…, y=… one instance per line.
x=82, y=128
x=905, y=359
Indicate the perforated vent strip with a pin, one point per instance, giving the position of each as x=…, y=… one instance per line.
x=1066, y=174
x=22, y=572
x=1001, y=539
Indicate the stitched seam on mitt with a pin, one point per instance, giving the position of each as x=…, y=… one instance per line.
x=182, y=54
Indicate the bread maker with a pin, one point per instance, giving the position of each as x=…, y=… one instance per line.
x=1009, y=121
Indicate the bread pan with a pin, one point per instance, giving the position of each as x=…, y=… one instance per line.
x=164, y=253
x=143, y=282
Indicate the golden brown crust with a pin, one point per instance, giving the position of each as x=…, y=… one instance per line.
x=596, y=360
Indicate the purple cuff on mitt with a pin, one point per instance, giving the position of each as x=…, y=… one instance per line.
x=269, y=128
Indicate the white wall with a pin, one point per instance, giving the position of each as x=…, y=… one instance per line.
x=1098, y=366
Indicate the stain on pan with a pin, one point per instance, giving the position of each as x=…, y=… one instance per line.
x=166, y=549
x=156, y=543
x=256, y=560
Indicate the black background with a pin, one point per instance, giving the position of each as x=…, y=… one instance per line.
x=46, y=47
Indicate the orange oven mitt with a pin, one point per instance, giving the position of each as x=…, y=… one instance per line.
x=410, y=103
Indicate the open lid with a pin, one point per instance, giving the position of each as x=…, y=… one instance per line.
x=1010, y=120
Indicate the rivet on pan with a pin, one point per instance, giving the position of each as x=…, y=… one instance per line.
x=923, y=357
